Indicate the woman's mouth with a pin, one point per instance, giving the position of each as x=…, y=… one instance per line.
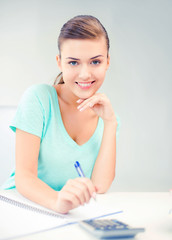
x=84, y=85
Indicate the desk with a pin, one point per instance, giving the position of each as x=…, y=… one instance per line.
x=141, y=209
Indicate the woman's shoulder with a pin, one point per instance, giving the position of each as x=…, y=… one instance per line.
x=39, y=94
x=39, y=89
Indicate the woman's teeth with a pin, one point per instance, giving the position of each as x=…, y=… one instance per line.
x=84, y=84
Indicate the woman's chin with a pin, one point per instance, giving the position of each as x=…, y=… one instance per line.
x=85, y=95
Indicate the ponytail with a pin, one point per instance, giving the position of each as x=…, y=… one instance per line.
x=57, y=81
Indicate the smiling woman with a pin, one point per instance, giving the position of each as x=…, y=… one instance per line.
x=58, y=125
x=87, y=69
x=81, y=27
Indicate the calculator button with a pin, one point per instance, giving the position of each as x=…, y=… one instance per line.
x=120, y=226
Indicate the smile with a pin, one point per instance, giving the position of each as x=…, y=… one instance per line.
x=84, y=84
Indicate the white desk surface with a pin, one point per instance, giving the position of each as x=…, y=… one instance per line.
x=141, y=209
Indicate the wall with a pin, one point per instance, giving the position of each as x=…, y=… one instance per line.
x=138, y=81
x=7, y=143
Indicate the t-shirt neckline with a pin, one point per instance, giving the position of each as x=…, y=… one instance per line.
x=67, y=136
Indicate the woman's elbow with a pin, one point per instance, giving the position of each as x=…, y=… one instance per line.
x=104, y=186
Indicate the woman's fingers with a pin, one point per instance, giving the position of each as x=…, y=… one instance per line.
x=100, y=104
x=85, y=104
x=80, y=100
x=76, y=192
x=79, y=189
x=82, y=187
x=66, y=201
x=98, y=98
x=89, y=184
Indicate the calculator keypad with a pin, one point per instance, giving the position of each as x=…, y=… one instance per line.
x=107, y=224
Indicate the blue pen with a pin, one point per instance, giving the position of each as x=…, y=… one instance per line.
x=81, y=174
x=79, y=169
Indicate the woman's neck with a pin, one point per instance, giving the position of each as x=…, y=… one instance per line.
x=66, y=95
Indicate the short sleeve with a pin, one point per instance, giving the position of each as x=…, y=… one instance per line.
x=29, y=116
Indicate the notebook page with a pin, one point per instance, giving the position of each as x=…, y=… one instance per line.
x=16, y=221
x=94, y=209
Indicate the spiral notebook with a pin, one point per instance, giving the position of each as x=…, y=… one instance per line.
x=21, y=217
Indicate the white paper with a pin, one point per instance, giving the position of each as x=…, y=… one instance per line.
x=16, y=221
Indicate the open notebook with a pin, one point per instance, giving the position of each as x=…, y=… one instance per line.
x=19, y=216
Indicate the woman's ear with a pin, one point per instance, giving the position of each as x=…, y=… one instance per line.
x=108, y=61
x=58, y=62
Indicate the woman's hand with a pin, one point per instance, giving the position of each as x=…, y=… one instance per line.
x=76, y=192
x=100, y=104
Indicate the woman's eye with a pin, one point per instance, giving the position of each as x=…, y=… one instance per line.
x=73, y=63
x=95, y=62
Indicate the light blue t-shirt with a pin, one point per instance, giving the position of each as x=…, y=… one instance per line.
x=38, y=113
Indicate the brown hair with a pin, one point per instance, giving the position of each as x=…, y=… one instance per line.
x=81, y=27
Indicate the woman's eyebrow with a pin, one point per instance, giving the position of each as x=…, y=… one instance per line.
x=72, y=58
x=79, y=59
x=97, y=56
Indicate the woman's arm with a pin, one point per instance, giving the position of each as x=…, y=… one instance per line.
x=104, y=168
x=27, y=182
x=76, y=192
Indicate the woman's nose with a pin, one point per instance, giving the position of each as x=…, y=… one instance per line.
x=84, y=73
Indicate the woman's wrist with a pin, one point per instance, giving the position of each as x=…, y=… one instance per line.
x=54, y=201
x=111, y=123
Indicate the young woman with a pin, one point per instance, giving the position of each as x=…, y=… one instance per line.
x=67, y=122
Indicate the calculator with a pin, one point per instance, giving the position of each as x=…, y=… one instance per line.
x=108, y=228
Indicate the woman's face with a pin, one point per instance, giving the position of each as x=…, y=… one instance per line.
x=83, y=63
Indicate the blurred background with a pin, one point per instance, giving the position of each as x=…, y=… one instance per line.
x=138, y=82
